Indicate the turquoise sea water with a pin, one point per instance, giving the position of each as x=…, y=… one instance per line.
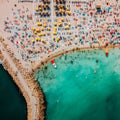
x=12, y=103
x=85, y=86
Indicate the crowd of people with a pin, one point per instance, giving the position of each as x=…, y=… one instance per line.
x=86, y=23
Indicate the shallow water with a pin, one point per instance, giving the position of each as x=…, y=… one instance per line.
x=85, y=86
x=12, y=103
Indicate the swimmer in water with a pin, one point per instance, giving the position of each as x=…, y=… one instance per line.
x=57, y=101
x=95, y=71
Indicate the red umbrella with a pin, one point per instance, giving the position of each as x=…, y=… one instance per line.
x=52, y=61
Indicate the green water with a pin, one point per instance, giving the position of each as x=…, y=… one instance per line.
x=12, y=103
x=85, y=86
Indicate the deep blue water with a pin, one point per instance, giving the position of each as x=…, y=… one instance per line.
x=12, y=103
x=85, y=86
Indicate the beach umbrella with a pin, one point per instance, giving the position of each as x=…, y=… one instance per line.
x=54, y=33
x=58, y=39
x=62, y=19
x=60, y=24
x=48, y=29
x=55, y=23
x=61, y=11
x=55, y=28
x=37, y=39
x=45, y=25
x=39, y=23
x=67, y=8
x=69, y=23
x=40, y=8
x=37, y=30
x=43, y=40
x=68, y=12
x=39, y=34
x=36, y=8
x=66, y=27
x=69, y=31
x=42, y=28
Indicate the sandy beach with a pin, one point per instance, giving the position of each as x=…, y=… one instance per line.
x=34, y=33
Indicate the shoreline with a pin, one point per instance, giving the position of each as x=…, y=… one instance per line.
x=64, y=51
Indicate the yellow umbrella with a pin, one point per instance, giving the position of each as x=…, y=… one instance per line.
x=58, y=39
x=39, y=23
x=67, y=8
x=37, y=30
x=36, y=8
x=62, y=19
x=54, y=33
x=40, y=8
x=40, y=34
x=37, y=39
x=62, y=10
x=45, y=25
x=68, y=12
x=69, y=31
x=66, y=27
x=43, y=40
x=60, y=24
x=42, y=28
x=48, y=28
x=55, y=28
x=55, y=23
